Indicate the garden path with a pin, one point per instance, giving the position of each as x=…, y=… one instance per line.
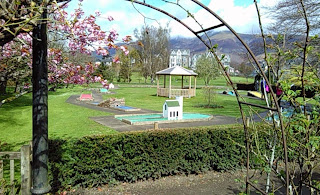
x=116, y=124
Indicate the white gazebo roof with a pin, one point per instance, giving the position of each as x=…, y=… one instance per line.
x=177, y=70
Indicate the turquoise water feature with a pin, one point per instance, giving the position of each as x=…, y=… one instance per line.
x=125, y=107
x=151, y=118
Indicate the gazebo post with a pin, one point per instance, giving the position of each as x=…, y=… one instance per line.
x=169, y=86
x=195, y=85
x=157, y=85
x=189, y=86
x=182, y=82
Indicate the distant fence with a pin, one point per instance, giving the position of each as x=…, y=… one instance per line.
x=25, y=157
x=245, y=86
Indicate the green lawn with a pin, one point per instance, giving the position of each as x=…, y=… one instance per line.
x=176, y=81
x=146, y=98
x=65, y=120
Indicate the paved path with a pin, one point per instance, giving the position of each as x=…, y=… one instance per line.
x=120, y=126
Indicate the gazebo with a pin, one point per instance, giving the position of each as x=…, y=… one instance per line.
x=169, y=91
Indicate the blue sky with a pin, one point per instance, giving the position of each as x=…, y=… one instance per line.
x=240, y=14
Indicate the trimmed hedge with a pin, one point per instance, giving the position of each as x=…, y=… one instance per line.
x=93, y=161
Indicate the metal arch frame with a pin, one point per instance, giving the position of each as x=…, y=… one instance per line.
x=210, y=47
x=40, y=91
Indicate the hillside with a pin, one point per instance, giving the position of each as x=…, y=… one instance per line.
x=227, y=44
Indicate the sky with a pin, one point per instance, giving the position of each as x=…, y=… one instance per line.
x=239, y=14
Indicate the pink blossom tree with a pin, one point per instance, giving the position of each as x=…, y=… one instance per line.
x=77, y=34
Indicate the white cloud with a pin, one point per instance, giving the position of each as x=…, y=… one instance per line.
x=243, y=19
x=126, y=18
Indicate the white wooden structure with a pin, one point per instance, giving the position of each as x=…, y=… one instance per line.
x=180, y=57
x=173, y=109
x=169, y=91
x=24, y=156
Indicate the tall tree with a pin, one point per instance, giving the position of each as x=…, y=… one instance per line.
x=288, y=16
x=128, y=63
x=154, y=49
x=207, y=68
x=245, y=70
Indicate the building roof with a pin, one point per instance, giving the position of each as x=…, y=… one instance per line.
x=177, y=70
x=172, y=103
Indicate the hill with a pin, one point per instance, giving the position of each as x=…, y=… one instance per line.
x=227, y=44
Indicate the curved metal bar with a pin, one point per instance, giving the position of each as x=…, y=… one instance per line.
x=229, y=79
x=284, y=142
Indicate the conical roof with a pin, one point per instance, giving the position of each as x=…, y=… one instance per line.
x=177, y=70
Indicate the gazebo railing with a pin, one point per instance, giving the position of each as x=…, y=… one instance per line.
x=176, y=92
x=162, y=92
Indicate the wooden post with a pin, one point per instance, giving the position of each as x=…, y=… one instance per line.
x=12, y=176
x=195, y=85
x=190, y=91
x=182, y=82
x=156, y=125
x=157, y=84
x=26, y=169
x=170, y=86
x=247, y=121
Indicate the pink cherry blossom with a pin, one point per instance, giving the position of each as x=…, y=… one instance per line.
x=81, y=33
x=110, y=18
x=127, y=38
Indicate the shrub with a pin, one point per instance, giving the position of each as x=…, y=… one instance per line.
x=96, y=160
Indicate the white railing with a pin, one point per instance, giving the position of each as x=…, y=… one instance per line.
x=176, y=92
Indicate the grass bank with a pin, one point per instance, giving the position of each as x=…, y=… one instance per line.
x=65, y=120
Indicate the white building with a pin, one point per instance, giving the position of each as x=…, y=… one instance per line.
x=194, y=60
x=180, y=57
x=173, y=109
x=226, y=63
x=224, y=58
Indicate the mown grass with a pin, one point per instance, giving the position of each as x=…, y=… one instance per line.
x=65, y=120
x=146, y=98
x=176, y=80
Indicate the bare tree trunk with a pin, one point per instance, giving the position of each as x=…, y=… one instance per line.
x=17, y=87
x=3, y=85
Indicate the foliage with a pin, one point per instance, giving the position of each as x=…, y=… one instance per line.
x=245, y=69
x=14, y=64
x=106, y=71
x=70, y=36
x=209, y=94
x=289, y=19
x=98, y=160
x=294, y=68
x=154, y=50
x=207, y=68
x=128, y=62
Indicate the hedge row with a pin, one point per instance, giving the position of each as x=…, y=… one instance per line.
x=93, y=161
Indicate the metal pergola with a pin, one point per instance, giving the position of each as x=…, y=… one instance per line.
x=40, y=95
